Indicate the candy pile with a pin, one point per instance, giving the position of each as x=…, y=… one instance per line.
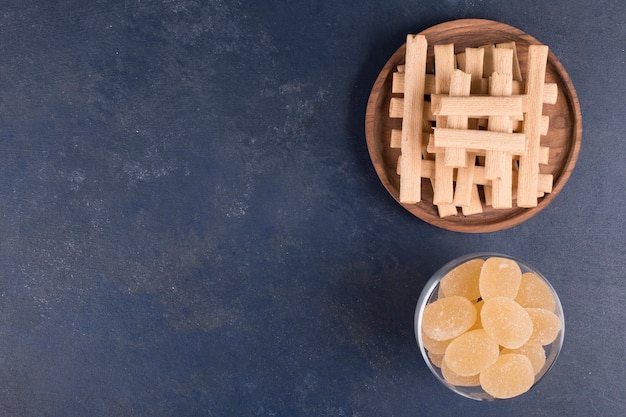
x=489, y=325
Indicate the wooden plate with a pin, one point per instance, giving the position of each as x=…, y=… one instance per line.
x=563, y=138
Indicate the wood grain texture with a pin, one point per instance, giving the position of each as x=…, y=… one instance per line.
x=563, y=139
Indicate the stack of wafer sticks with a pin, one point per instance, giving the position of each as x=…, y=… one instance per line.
x=474, y=125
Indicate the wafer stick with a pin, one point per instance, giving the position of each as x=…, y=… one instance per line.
x=544, y=151
x=498, y=164
x=550, y=91
x=460, y=61
x=529, y=162
x=475, y=206
x=474, y=59
x=464, y=187
x=428, y=171
x=517, y=125
x=465, y=191
x=444, y=67
x=396, y=109
x=443, y=192
x=411, y=146
x=397, y=83
x=488, y=67
x=478, y=106
x=517, y=71
x=460, y=84
x=480, y=139
x=545, y=182
x=396, y=138
x=544, y=154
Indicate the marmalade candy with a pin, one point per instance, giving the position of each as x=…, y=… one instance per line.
x=499, y=277
x=534, y=352
x=458, y=380
x=511, y=375
x=506, y=322
x=448, y=317
x=471, y=352
x=535, y=293
x=463, y=280
x=546, y=326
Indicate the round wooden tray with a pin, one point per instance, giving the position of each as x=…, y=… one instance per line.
x=563, y=138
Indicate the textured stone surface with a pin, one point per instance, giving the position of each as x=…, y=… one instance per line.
x=190, y=223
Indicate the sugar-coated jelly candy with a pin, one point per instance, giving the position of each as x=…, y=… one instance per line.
x=533, y=351
x=458, y=380
x=499, y=277
x=535, y=293
x=463, y=280
x=448, y=317
x=506, y=322
x=546, y=326
x=436, y=359
x=437, y=347
x=479, y=306
x=511, y=375
x=471, y=352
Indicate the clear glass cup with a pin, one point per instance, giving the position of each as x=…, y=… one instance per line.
x=430, y=294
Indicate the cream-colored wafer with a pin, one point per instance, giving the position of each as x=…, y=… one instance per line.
x=474, y=58
x=396, y=109
x=550, y=91
x=428, y=168
x=476, y=205
x=411, y=146
x=444, y=67
x=397, y=82
x=529, y=161
x=443, y=192
x=465, y=191
x=460, y=61
x=480, y=139
x=488, y=67
x=460, y=83
x=478, y=106
x=500, y=85
x=517, y=71
x=396, y=138
x=518, y=124
x=498, y=164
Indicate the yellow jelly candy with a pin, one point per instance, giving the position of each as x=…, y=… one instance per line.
x=437, y=347
x=463, y=280
x=471, y=352
x=535, y=293
x=506, y=322
x=479, y=307
x=458, y=380
x=534, y=352
x=499, y=277
x=546, y=326
x=435, y=359
x=511, y=375
x=448, y=317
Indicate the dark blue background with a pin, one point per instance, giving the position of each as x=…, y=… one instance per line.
x=190, y=224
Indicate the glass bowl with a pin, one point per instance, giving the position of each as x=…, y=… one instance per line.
x=430, y=293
